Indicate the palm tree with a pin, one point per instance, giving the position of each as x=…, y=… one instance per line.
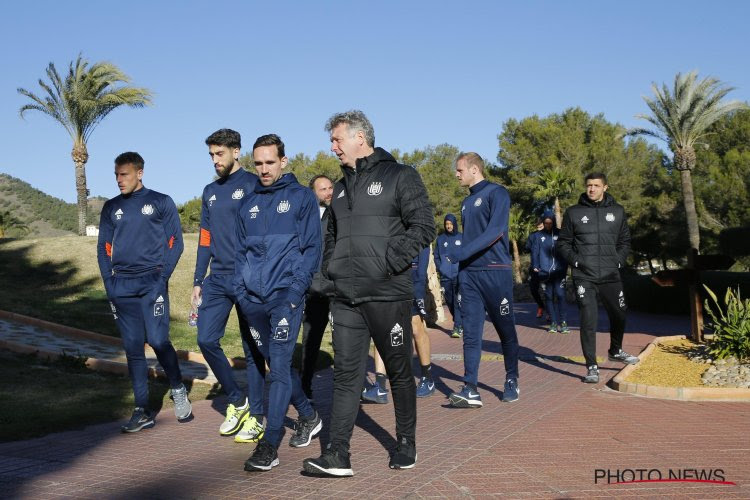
x=10, y=221
x=554, y=182
x=682, y=118
x=520, y=226
x=79, y=102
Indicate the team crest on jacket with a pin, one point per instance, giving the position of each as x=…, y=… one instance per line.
x=283, y=207
x=397, y=335
x=585, y=219
x=211, y=200
x=375, y=188
x=610, y=217
x=238, y=194
x=478, y=202
x=544, y=238
x=147, y=209
x=445, y=244
x=581, y=291
x=119, y=213
x=458, y=242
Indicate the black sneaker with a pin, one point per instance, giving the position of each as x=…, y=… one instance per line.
x=333, y=462
x=624, y=357
x=263, y=458
x=141, y=419
x=404, y=456
x=306, y=429
x=592, y=376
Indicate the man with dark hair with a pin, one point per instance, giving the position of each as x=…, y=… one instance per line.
x=140, y=242
x=215, y=294
x=315, y=318
x=534, y=276
x=446, y=263
x=551, y=268
x=485, y=280
x=277, y=253
x=380, y=219
x=595, y=240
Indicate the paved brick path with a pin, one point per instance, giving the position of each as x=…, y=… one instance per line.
x=548, y=444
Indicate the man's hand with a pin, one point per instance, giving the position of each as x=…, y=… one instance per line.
x=197, y=296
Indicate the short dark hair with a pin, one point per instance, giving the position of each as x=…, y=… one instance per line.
x=225, y=137
x=596, y=175
x=130, y=158
x=270, y=140
x=320, y=176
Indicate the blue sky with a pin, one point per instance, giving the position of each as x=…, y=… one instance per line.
x=425, y=72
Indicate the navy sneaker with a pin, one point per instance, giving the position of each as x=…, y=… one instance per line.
x=624, y=357
x=141, y=419
x=511, y=390
x=375, y=394
x=333, y=462
x=465, y=398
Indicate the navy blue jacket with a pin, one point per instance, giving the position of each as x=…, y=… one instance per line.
x=546, y=257
x=484, y=214
x=139, y=234
x=218, y=236
x=419, y=273
x=446, y=249
x=278, y=242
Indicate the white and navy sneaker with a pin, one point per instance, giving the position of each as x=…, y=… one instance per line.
x=511, y=391
x=465, y=398
x=425, y=388
x=624, y=357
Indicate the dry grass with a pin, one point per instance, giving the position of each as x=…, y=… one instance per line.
x=669, y=366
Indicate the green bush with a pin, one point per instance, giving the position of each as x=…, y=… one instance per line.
x=731, y=325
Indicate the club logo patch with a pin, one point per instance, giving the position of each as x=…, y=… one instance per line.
x=256, y=336
x=610, y=217
x=397, y=335
x=281, y=333
x=375, y=188
x=159, y=307
x=478, y=203
x=504, y=307
x=283, y=207
x=147, y=209
x=211, y=200
x=585, y=219
x=445, y=244
x=621, y=300
x=458, y=242
x=581, y=291
x=544, y=238
x=119, y=213
x=238, y=194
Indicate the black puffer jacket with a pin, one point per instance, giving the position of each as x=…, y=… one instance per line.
x=595, y=239
x=381, y=218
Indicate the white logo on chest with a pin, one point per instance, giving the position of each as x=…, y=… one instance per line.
x=610, y=217
x=478, y=202
x=147, y=209
x=254, y=212
x=375, y=188
x=283, y=207
x=211, y=200
x=238, y=194
x=585, y=219
x=119, y=213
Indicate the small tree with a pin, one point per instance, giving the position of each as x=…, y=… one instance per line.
x=10, y=221
x=555, y=183
x=520, y=226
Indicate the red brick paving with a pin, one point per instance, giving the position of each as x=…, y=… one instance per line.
x=547, y=445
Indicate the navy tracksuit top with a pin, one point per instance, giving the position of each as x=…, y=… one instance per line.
x=484, y=214
x=446, y=250
x=138, y=234
x=278, y=241
x=419, y=272
x=220, y=202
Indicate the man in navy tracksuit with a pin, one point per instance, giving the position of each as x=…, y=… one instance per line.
x=277, y=253
x=140, y=242
x=215, y=294
x=446, y=263
x=485, y=280
x=550, y=266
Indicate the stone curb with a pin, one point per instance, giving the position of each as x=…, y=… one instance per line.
x=98, y=364
x=618, y=383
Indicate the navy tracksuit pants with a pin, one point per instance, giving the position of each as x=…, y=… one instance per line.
x=490, y=292
x=141, y=311
x=275, y=327
x=554, y=292
x=218, y=299
x=452, y=299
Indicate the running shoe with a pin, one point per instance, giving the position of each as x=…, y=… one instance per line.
x=456, y=333
x=465, y=398
x=404, y=456
x=511, y=391
x=552, y=328
x=236, y=416
x=305, y=430
x=182, y=407
x=252, y=430
x=624, y=357
x=564, y=328
x=592, y=375
x=263, y=458
x=141, y=419
x=425, y=388
x=375, y=394
x=333, y=462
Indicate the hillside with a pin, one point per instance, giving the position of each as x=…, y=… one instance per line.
x=44, y=215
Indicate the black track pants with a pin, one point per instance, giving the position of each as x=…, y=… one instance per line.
x=613, y=300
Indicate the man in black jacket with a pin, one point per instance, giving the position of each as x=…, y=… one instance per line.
x=595, y=240
x=315, y=318
x=380, y=219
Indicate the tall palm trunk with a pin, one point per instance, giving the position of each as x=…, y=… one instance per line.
x=558, y=213
x=516, y=263
x=688, y=199
x=80, y=157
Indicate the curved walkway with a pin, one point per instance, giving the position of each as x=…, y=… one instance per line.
x=563, y=439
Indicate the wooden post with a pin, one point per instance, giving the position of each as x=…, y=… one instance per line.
x=696, y=306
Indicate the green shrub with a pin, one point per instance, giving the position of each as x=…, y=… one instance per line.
x=731, y=325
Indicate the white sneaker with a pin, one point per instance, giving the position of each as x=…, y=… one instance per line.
x=234, y=419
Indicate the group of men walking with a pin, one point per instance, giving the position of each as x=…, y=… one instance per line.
x=284, y=256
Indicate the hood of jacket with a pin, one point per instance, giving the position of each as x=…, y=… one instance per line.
x=452, y=218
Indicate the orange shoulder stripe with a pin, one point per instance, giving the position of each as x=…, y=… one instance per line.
x=108, y=248
x=205, y=238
